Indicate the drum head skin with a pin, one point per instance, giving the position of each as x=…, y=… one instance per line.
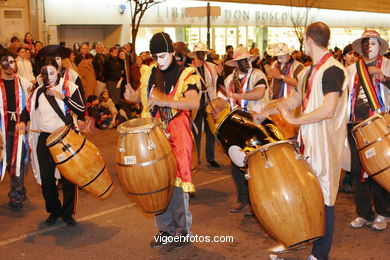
x=237, y=155
x=137, y=125
x=57, y=135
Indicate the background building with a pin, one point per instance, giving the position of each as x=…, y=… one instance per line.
x=83, y=20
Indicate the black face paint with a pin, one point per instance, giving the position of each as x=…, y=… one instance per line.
x=179, y=57
x=7, y=62
x=201, y=55
x=243, y=65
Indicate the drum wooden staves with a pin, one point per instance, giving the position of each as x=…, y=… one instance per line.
x=285, y=195
x=80, y=162
x=216, y=111
x=2, y=147
x=146, y=164
x=372, y=138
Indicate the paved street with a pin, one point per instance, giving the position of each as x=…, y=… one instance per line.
x=116, y=229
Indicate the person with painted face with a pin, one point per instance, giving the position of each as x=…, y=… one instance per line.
x=371, y=46
x=59, y=53
x=322, y=93
x=245, y=88
x=168, y=92
x=181, y=54
x=13, y=99
x=284, y=71
x=49, y=109
x=209, y=76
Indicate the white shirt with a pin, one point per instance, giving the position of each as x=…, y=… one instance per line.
x=25, y=69
x=48, y=119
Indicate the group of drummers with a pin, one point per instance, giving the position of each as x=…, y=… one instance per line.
x=318, y=106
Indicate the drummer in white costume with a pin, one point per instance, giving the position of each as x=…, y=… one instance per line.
x=322, y=92
x=53, y=97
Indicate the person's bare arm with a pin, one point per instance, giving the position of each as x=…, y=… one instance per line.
x=189, y=101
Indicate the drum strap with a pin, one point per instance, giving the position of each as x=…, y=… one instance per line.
x=53, y=103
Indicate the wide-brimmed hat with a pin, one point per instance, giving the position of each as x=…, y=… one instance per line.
x=200, y=46
x=239, y=54
x=279, y=49
x=54, y=50
x=357, y=44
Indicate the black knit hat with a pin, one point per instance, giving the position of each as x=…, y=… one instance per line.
x=160, y=42
x=54, y=50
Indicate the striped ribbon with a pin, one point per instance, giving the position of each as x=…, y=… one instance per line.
x=372, y=92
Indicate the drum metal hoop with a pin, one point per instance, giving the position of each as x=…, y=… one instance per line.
x=367, y=144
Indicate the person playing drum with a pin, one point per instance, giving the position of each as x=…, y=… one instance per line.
x=284, y=71
x=322, y=92
x=54, y=96
x=168, y=92
x=209, y=74
x=371, y=46
x=245, y=88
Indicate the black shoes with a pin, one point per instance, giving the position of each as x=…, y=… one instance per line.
x=69, y=221
x=180, y=241
x=52, y=219
x=214, y=164
x=161, y=239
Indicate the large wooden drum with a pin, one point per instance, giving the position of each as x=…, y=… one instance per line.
x=372, y=138
x=146, y=164
x=285, y=195
x=2, y=147
x=80, y=162
x=216, y=111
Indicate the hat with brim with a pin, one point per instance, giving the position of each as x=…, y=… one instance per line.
x=200, y=46
x=279, y=49
x=357, y=44
x=54, y=51
x=240, y=54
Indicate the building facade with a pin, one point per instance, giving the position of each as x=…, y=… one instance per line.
x=247, y=24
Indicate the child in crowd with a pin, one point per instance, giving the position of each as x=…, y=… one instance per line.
x=93, y=111
x=111, y=106
x=105, y=114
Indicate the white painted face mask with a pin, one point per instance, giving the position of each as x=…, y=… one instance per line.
x=52, y=75
x=58, y=60
x=11, y=62
x=164, y=59
x=373, y=48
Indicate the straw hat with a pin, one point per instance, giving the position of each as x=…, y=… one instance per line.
x=240, y=54
x=357, y=44
x=200, y=46
x=279, y=49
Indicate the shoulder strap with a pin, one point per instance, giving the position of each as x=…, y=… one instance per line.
x=53, y=103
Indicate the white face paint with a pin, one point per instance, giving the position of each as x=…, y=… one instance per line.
x=164, y=59
x=58, y=60
x=11, y=62
x=52, y=74
x=373, y=48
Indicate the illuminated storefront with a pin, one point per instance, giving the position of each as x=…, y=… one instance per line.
x=245, y=24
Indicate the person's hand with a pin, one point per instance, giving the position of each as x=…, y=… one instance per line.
x=258, y=118
x=376, y=72
x=20, y=127
x=55, y=93
x=275, y=73
x=157, y=98
x=232, y=95
x=129, y=93
x=286, y=113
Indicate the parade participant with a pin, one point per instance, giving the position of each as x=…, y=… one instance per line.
x=181, y=54
x=322, y=92
x=168, y=91
x=284, y=71
x=371, y=46
x=48, y=110
x=13, y=99
x=245, y=88
x=60, y=53
x=208, y=74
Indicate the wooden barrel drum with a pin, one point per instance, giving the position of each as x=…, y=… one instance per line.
x=146, y=164
x=285, y=195
x=80, y=162
x=372, y=138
